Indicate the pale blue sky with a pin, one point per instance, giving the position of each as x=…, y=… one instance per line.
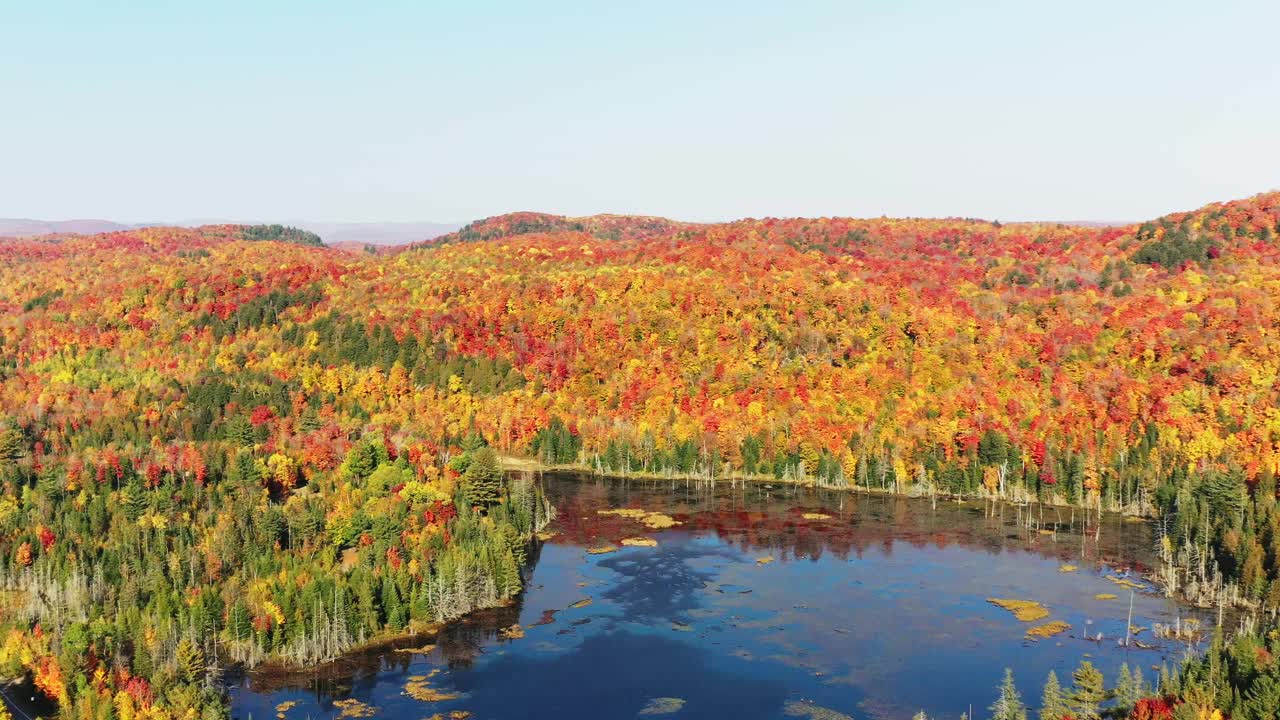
x=167, y=110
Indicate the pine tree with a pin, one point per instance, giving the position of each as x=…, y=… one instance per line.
x=190, y=661
x=391, y=604
x=239, y=621
x=1125, y=692
x=11, y=447
x=1262, y=698
x=482, y=481
x=1053, y=704
x=1139, y=684
x=1009, y=705
x=1087, y=692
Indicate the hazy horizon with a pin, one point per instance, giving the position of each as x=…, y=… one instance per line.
x=407, y=112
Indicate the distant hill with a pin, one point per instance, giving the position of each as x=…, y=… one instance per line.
x=378, y=233
x=362, y=233
x=24, y=227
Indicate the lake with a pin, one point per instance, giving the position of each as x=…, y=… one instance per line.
x=764, y=602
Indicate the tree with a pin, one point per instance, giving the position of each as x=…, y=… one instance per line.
x=1053, y=703
x=11, y=446
x=482, y=481
x=1008, y=705
x=1126, y=692
x=190, y=658
x=1087, y=692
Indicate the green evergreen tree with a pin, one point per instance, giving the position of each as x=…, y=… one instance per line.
x=1125, y=692
x=239, y=621
x=1087, y=692
x=1009, y=705
x=12, y=447
x=191, y=663
x=482, y=481
x=1053, y=703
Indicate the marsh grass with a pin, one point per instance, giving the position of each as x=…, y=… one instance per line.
x=1024, y=610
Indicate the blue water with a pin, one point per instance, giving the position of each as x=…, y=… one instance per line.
x=877, y=612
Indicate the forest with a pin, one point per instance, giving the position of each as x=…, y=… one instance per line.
x=234, y=445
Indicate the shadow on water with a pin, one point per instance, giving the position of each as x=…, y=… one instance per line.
x=869, y=605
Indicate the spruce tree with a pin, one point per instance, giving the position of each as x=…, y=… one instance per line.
x=12, y=447
x=190, y=661
x=1008, y=705
x=482, y=481
x=1139, y=684
x=239, y=621
x=1124, y=686
x=1053, y=704
x=391, y=603
x=1087, y=692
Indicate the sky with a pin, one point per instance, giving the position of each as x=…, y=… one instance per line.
x=399, y=111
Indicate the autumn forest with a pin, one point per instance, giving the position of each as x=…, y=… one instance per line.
x=236, y=446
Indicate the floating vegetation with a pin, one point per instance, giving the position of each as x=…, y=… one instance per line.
x=580, y=604
x=640, y=542
x=662, y=706
x=816, y=516
x=425, y=649
x=453, y=715
x=796, y=708
x=1105, y=596
x=1125, y=582
x=419, y=688
x=353, y=708
x=602, y=550
x=654, y=520
x=1024, y=610
x=1068, y=568
x=545, y=535
x=659, y=521
x=1049, y=629
x=285, y=707
x=512, y=632
x=764, y=560
x=681, y=627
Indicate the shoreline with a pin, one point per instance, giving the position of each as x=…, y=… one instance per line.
x=513, y=464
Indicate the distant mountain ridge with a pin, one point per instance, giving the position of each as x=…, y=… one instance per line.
x=25, y=227
x=369, y=233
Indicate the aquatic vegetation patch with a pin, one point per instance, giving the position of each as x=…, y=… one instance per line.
x=285, y=707
x=764, y=560
x=798, y=708
x=1049, y=629
x=816, y=516
x=1024, y=610
x=419, y=688
x=425, y=649
x=662, y=706
x=602, y=550
x=511, y=632
x=681, y=627
x=1068, y=568
x=1105, y=596
x=545, y=535
x=639, y=542
x=1125, y=582
x=653, y=520
x=353, y=708
x=581, y=603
